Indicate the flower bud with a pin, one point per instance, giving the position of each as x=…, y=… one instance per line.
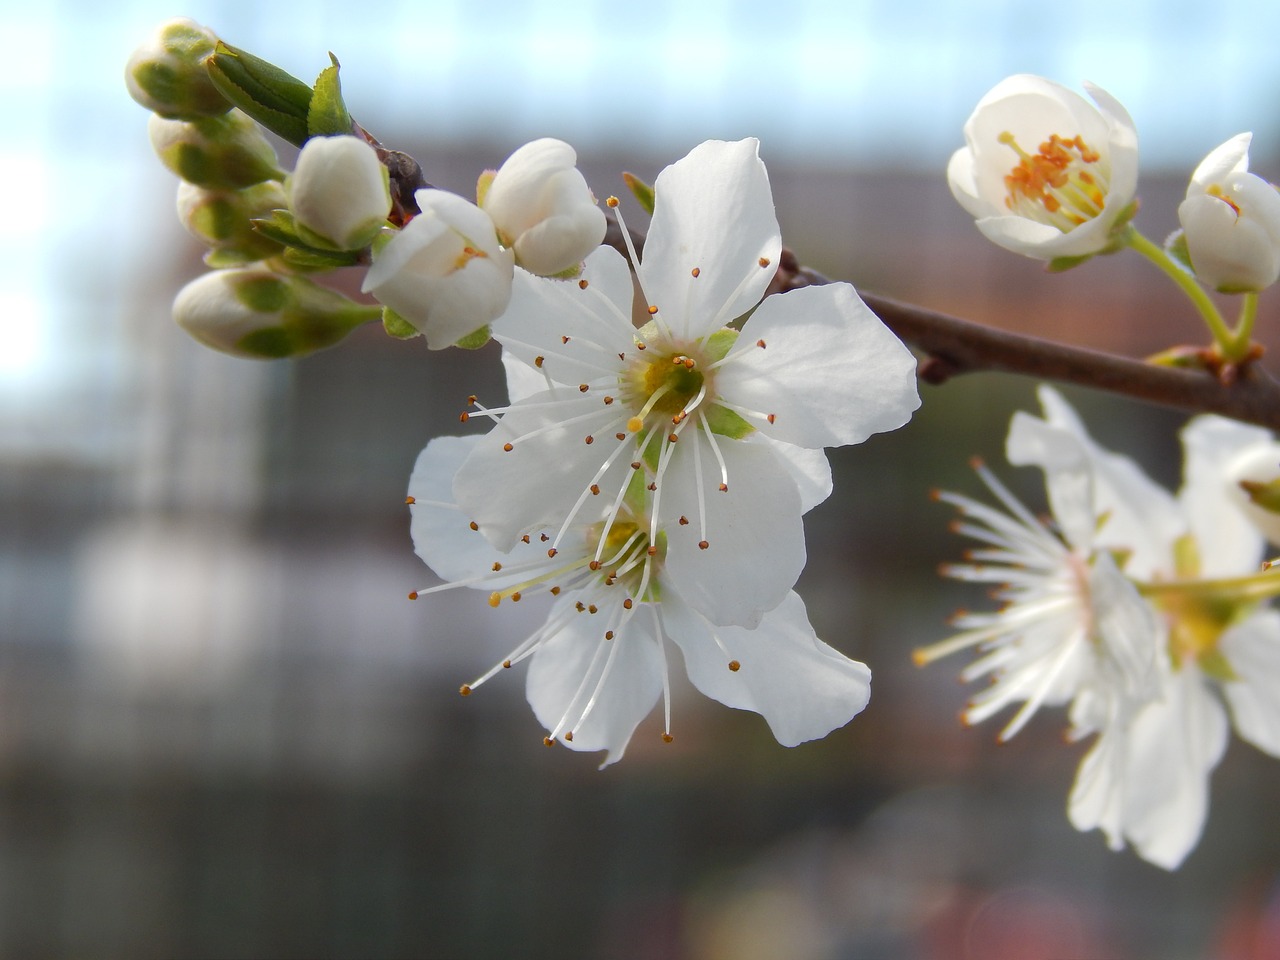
x=257, y=313
x=1231, y=221
x=445, y=272
x=220, y=153
x=167, y=73
x=543, y=208
x=220, y=219
x=340, y=191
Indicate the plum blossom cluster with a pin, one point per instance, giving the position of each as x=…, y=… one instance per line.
x=1048, y=175
x=653, y=477
x=1148, y=616
x=437, y=264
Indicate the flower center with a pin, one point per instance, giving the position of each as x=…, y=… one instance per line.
x=1063, y=184
x=663, y=384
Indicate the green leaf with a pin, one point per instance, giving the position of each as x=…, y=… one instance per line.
x=397, y=326
x=327, y=114
x=640, y=190
x=299, y=251
x=276, y=99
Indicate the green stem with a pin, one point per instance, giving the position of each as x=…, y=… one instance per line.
x=1258, y=586
x=1244, y=326
x=1222, y=336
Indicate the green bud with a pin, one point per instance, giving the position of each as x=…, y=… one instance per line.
x=220, y=219
x=218, y=153
x=260, y=314
x=167, y=74
x=642, y=191
x=276, y=99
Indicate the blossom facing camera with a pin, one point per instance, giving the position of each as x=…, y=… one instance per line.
x=259, y=314
x=1231, y=221
x=1045, y=173
x=543, y=209
x=445, y=273
x=340, y=191
x=708, y=417
x=599, y=663
x=167, y=73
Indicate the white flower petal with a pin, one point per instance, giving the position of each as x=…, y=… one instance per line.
x=441, y=534
x=565, y=673
x=536, y=483
x=1173, y=746
x=713, y=212
x=1252, y=648
x=810, y=469
x=830, y=371
x=1222, y=161
x=754, y=531
x=1228, y=543
x=571, y=333
x=802, y=687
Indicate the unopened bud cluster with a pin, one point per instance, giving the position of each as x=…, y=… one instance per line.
x=443, y=268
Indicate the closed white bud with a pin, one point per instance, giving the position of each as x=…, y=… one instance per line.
x=259, y=314
x=167, y=73
x=543, y=208
x=340, y=191
x=445, y=273
x=1231, y=221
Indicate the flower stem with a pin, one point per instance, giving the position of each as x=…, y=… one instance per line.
x=1258, y=586
x=1243, y=332
x=1222, y=336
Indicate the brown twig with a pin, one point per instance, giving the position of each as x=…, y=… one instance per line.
x=953, y=346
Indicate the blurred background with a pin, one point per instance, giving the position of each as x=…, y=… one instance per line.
x=225, y=733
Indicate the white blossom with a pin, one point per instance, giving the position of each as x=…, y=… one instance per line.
x=1231, y=221
x=445, y=272
x=707, y=415
x=543, y=209
x=1046, y=173
x=598, y=665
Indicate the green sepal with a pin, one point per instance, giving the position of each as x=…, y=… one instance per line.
x=1264, y=495
x=1062, y=264
x=1214, y=664
x=726, y=423
x=276, y=99
x=475, y=339
x=303, y=258
x=222, y=258
x=641, y=191
x=717, y=346
x=327, y=114
x=1176, y=246
x=299, y=251
x=397, y=326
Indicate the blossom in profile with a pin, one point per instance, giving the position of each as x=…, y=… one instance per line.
x=542, y=207
x=1070, y=625
x=1231, y=221
x=600, y=662
x=445, y=273
x=710, y=418
x=1046, y=173
x=1145, y=781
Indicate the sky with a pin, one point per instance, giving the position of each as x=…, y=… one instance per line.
x=835, y=84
